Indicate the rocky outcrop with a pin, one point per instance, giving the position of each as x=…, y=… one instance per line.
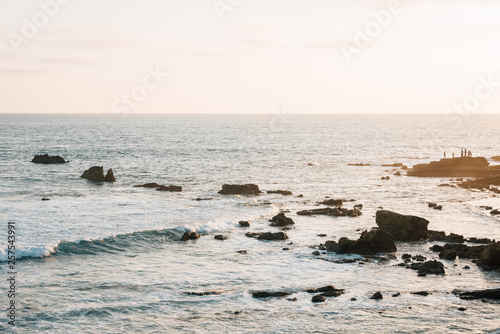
x=429, y=267
x=441, y=236
x=96, y=173
x=482, y=183
x=369, y=243
x=48, y=159
x=402, y=227
x=281, y=220
x=190, y=236
x=269, y=294
x=281, y=192
x=244, y=223
x=332, y=202
x=334, y=212
x=490, y=257
x=456, y=167
x=169, y=188
x=160, y=187
x=461, y=250
x=237, y=189
x=377, y=295
x=148, y=185
x=272, y=236
x=480, y=294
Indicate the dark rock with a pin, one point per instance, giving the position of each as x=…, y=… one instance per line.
x=358, y=206
x=203, y=199
x=432, y=205
x=377, y=295
x=253, y=234
x=220, y=237
x=401, y=227
x=327, y=289
x=430, y=267
x=462, y=309
x=397, y=294
x=419, y=258
x=436, y=248
x=242, y=252
x=96, y=173
x=237, y=189
x=322, y=235
x=281, y=220
x=490, y=257
x=480, y=240
x=369, y=243
x=421, y=293
x=441, y=236
x=169, y=188
x=148, y=185
x=481, y=294
x=335, y=212
x=190, y=236
x=495, y=212
x=332, y=202
x=438, y=207
x=285, y=249
x=448, y=254
x=205, y=293
x=48, y=159
x=397, y=173
x=282, y=192
x=455, y=167
x=466, y=267
x=466, y=252
x=300, y=195
x=268, y=294
x=273, y=236
x=244, y=223
x=486, y=207
x=45, y=199
x=406, y=256
x=316, y=253
x=353, y=299
x=318, y=299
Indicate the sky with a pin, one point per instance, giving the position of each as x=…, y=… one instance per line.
x=250, y=56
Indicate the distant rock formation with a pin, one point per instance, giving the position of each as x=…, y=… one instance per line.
x=237, y=189
x=96, y=173
x=369, y=243
x=401, y=227
x=456, y=167
x=335, y=212
x=48, y=159
x=160, y=187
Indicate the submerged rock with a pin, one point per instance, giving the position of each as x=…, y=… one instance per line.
x=272, y=236
x=281, y=220
x=429, y=267
x=268, y=294
x=48, y=159
x=281, y=192
x=148, y=185
x=334, y=212
x=369, y=243
x=237, y=189
x=327, y=291
x=402, y=227
x=96, y=173
x=480, y=294
x=332, y=202
x=170, y=188
x=441, y=236
x=490, y=257
x=318, y=299
x=190, y=236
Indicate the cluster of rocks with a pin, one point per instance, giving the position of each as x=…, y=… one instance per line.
x=456, y=167
x=435, y=206
x=159, y=187
x=324, y=292
x=48, y=159
x=96, y=173
x=281, y=220
x=369, y=243
x=189, y=236
x=334, y=212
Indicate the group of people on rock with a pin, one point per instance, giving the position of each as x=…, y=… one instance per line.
x=463, y=153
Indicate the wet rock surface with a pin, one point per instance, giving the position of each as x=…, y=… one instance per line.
x=240, y=189
x=48, y=159
x=402, y=227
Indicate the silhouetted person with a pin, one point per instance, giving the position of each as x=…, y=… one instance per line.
x=470, y=154
x=453, y=155
x=445, y=154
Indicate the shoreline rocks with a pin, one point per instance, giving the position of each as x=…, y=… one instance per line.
x=456, y=167
x=237, y=189
x=96, y=173
x=479, y=294
x=189, y=236
x=490, y=257
x=332, y=202
x=369, y=243
x=48, y=159
x=281, y=220
x=334, y=212
x=402, y=227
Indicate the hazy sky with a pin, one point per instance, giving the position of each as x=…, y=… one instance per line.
x=250, y=56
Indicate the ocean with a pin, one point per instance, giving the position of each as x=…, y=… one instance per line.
x=106, y=257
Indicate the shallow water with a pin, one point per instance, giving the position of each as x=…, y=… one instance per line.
x=105, y=257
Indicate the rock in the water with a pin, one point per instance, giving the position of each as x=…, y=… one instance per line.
x=456, y=167
x=148, y=185
x=429, y=267
x=462, y=251
x=481, y=294
x=281, y=192
x=170, y=188
x=48, y=159
x=281, y=220
x=237, y=189
x=402, y=227
x=369, y=243
x=96, y=173
x=244, y=223
x=318, y=299
x=421, y=293
x=441, y=236
x=490, y=257
x=480, y=240
x=396, y=164
x=327, y=291
x=45, y=199
x=190, y=236
x=204, y=293
x=448, y=254
x=220, y=237
x=495, y=212
x=272, y=236
x=377, y=295
x=268, y=294
x=335, y=212
x=332, y=202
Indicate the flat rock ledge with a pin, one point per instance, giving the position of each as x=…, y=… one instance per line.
x=48, y=159
x=240, y=189
x=334, y=212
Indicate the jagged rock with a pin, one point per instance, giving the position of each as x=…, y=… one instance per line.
x=327, y=291
x=332, y=202
x=190, y=236
x=490, y=257
x=272, y=236
x=479, y=294
x=282, y=192
x=169, y=188
x=268, y=294
x=335, y=212
x=369, y=243
x=281, y=220
x=377, y=295
x=462, y=251
x=96, y=173
x=48, y=159
x=244, y=223
x=402, y=227
x=237, y=189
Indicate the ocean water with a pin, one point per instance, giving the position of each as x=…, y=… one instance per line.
x=106, y=257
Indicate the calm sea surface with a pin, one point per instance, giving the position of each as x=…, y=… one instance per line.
x=104, y=258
